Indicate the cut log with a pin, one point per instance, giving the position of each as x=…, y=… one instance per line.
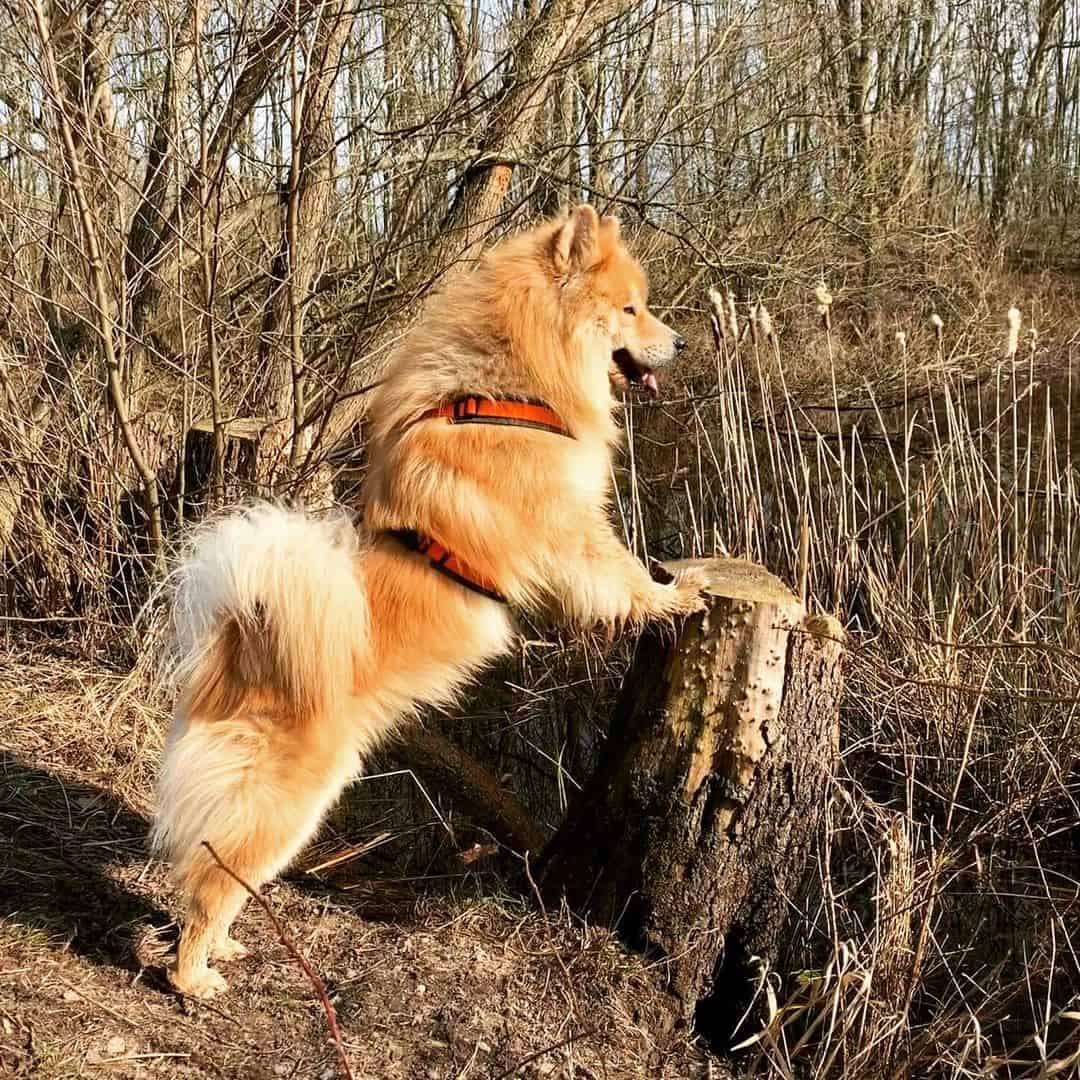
x=435, y=760
x=694, y=835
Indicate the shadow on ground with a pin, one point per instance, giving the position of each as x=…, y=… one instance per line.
x=68, y=853
x=75, y=864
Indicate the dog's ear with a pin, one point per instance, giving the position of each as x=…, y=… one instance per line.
x=610, y=235
x=577, y=243
x=611, y=228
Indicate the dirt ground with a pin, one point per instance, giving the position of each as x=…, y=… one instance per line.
x=446, y=988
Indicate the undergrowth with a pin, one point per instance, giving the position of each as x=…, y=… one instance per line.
x=922, y=486
x=908, y=466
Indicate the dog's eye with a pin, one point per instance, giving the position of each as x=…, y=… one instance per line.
x=630, y=309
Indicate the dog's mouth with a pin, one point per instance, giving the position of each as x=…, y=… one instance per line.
x=636, y=373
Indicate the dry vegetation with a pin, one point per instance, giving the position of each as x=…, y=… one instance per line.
x=215, y=220
x=429, y=983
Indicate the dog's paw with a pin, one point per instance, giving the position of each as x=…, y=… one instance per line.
x=682, y=596
x=203, y=984
x=229, y=949
x=689, y=586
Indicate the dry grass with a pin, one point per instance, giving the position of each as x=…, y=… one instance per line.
x=925, y=489
x=450, y=987
x=935, y=478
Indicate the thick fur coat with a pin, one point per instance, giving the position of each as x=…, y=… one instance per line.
x=303, y=643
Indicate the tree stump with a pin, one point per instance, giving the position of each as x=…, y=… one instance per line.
x=241, y=440
x=694, y=835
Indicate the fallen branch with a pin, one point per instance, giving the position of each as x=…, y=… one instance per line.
x=446, y=767
x=294, y=952
x=515, y=1069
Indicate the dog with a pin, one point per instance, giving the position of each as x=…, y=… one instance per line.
x=302, y=643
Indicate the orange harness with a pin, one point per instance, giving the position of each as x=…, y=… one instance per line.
x=447, y=563
x=477, y=410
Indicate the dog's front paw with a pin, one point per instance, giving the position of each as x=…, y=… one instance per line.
x=682, y=596
x=689, y=586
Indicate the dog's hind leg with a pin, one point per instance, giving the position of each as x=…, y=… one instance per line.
x=214, y=900
x=255, y=789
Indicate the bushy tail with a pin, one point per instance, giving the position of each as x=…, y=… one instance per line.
x=267, y=599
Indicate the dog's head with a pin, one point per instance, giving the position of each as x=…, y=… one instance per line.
x=608, y=290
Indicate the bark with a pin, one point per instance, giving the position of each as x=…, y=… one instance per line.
x=464, y=53
x=592, y=80
x=547, y=48
x=697, y=829
x=856, y=17
x=78, y=61
x=251, y=84
x=161, y=154
x=397, y=104
x=1015, y=132
x=17, y=479
x=102, y=300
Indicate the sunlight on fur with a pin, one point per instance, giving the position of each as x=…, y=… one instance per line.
x=302, y=643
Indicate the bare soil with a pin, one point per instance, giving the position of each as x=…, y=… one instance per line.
x=446, y=988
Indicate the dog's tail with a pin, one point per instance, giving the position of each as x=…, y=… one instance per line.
x=267, y=600
x=270, y=622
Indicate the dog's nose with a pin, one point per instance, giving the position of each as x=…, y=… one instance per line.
x=680, y=343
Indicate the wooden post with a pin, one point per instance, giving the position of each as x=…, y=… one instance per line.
x=695, y=833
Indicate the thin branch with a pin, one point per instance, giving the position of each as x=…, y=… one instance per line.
x=297, y=955
x=96, y=270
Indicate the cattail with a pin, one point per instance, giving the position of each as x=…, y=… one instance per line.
x=1012, y=342
x=901, y=343
x=752, y=322
x=938, y=325
x=733, y=318
x=1033, y=339
x=824, y=304
x=764, y=322
x=718, y=318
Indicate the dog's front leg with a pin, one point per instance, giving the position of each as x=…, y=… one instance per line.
x=606, y=584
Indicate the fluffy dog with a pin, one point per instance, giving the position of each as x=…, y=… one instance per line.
x=301, y=644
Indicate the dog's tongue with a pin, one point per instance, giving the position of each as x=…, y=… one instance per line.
x=648, y=380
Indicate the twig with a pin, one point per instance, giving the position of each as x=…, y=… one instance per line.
x=294, y=952
x=547, y=929
x=518, y=1066
x=98, y=1004
x=96, y=272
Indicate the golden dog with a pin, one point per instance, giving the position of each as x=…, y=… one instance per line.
x=301, y=646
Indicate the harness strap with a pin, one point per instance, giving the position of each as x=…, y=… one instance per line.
x=447, y=563
x=477, y=410
x=472, y=409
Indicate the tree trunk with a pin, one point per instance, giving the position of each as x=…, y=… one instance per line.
x=158, y=265
x=545, y=52
x=856, y=18
x=1016, y=131
x=547, y=44
x=694, y=835
x=307, y=209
